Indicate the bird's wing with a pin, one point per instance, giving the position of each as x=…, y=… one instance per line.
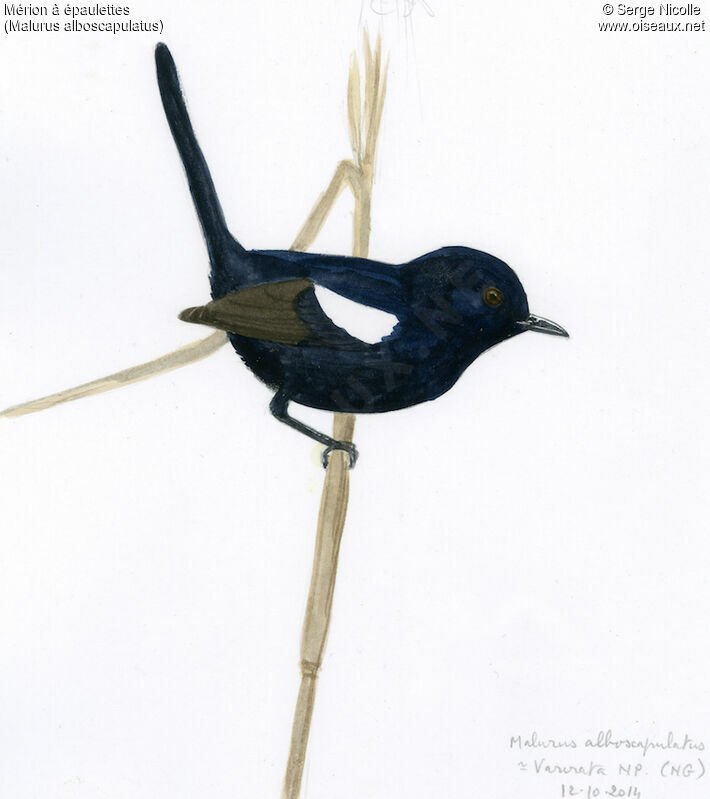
x=287, y=312
x=267, y=311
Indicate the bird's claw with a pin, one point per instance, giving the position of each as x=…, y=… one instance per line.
x=345, y=446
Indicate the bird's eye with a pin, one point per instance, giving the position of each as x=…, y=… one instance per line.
x=493, y=297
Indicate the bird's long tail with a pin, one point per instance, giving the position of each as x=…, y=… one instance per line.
x=221, y=245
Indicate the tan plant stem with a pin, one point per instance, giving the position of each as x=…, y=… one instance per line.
x=346, y=173
x=173, y=360
x=336, y=486
x=331, y=520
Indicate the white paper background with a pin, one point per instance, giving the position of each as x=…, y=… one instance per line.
x=527, y=553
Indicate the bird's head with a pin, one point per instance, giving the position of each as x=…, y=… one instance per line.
x=472, y=295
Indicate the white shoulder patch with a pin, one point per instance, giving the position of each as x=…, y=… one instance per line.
x=368, y=324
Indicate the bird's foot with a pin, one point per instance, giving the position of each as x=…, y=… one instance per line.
x=345, y=446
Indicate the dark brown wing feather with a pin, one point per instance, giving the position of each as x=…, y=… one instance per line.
x=266, y=312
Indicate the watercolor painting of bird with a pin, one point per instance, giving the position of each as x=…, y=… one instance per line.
x=361, y=225
x=448, y=307
x=281, y=310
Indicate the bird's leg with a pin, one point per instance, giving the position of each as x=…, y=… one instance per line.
x=279, y=408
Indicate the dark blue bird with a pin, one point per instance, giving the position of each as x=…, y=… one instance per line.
x=450, y=306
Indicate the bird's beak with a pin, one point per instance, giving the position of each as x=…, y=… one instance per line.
x=542, y=326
